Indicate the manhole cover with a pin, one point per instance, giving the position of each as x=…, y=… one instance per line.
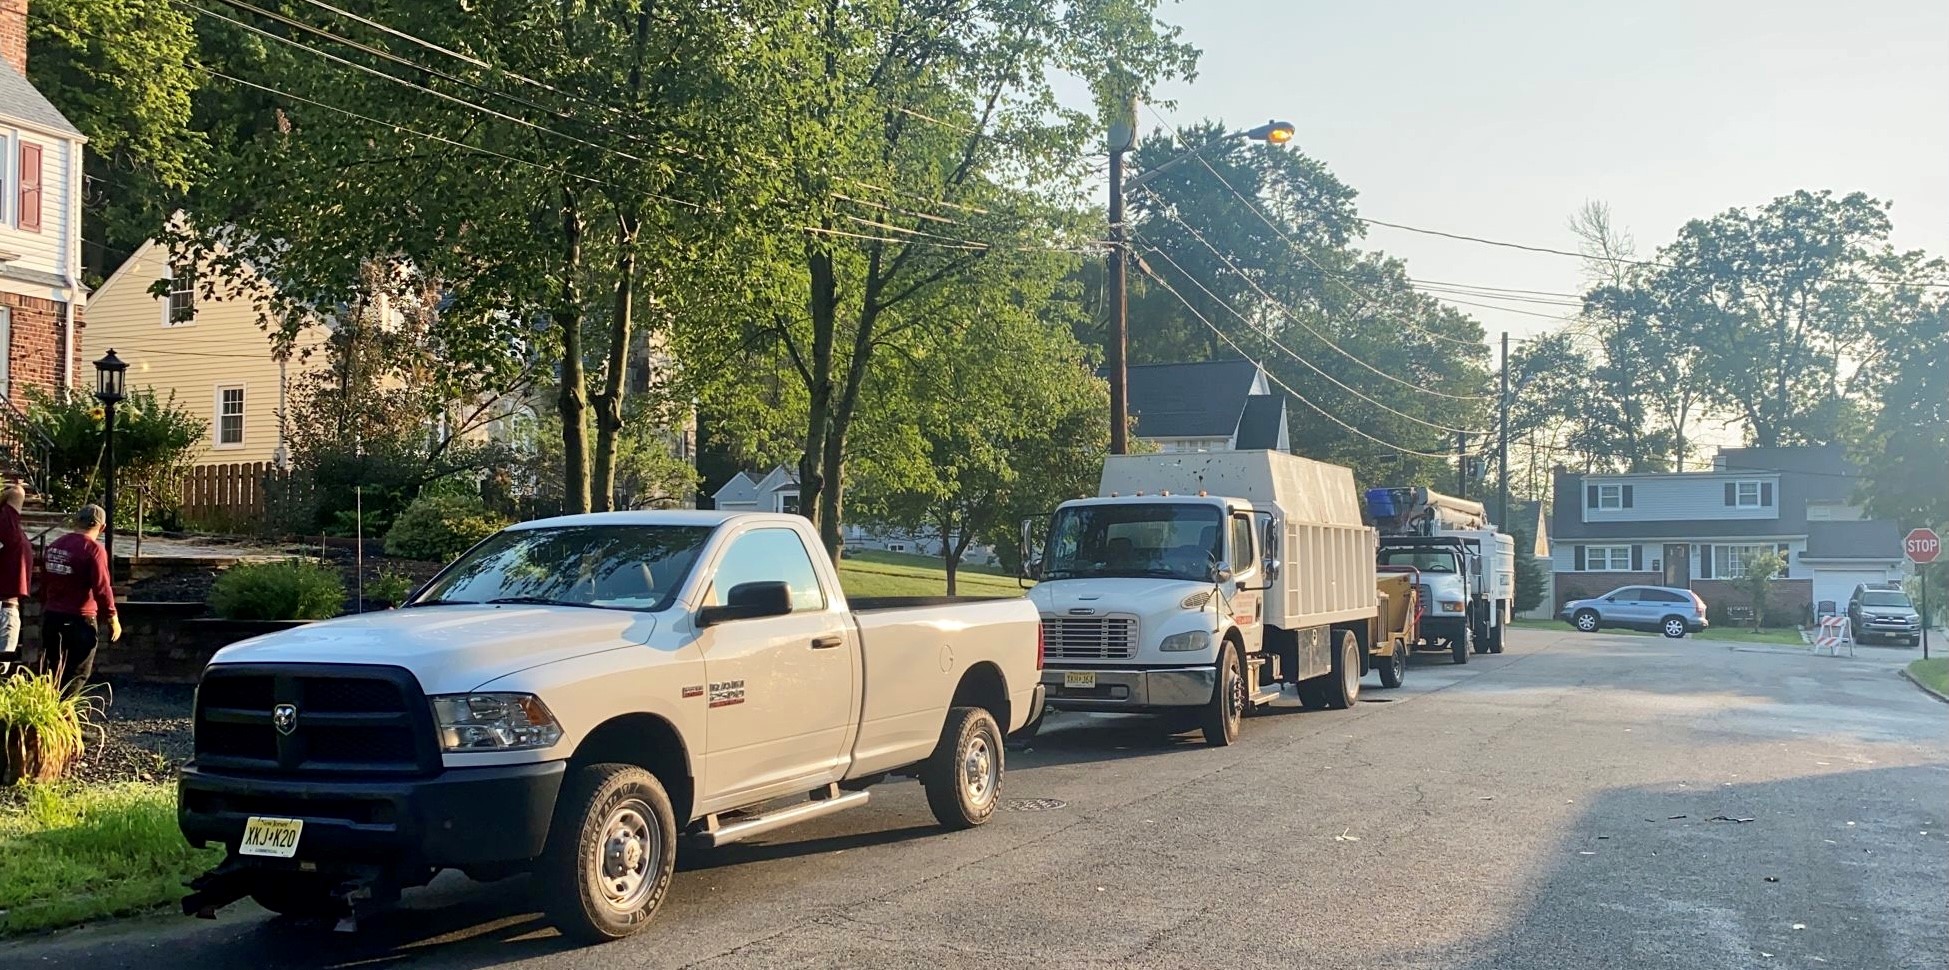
x=1033, y=804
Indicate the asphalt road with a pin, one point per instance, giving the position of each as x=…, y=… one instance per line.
x=1578, y=802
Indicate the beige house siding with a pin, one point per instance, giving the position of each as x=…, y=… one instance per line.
x=219, y=348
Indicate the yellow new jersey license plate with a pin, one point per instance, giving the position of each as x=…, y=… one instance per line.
x=1084, y=679
x=274, y=837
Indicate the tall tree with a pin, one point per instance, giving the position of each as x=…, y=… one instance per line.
x=124, y=71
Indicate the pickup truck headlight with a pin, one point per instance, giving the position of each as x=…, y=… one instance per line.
x=1451, y=606
x=494, y=722
x=1181, y=642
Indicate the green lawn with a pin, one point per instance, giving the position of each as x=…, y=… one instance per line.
x=932, y=563
x=72, y=854
x=1729, y=634
x=1933, y=672
x=896, y=574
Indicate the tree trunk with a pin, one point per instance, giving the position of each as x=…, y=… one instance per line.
x=950, y=556
x=572, y=397
x=609, y=403
x=822, y=305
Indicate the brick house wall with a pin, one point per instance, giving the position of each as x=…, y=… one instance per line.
x=36, y=357
x=13, y=33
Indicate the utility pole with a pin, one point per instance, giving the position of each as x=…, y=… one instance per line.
x=1461, y=464
x=1123, y=137
x=1502, y=444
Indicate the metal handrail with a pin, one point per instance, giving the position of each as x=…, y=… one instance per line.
x=26, y=444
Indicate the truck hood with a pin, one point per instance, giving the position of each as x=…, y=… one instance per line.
x=1114, y=594
x=451, y=648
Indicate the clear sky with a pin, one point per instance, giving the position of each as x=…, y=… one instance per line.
x=1498, y=118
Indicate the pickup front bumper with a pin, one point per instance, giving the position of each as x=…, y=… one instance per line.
x=458, y=818
x=1129, y=690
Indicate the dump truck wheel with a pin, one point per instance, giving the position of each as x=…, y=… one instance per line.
x=1228, y=699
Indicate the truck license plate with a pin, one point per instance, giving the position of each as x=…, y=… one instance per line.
x=274, y=837
x=1083, y=679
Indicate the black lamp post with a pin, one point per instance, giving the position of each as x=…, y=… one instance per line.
x=109, y=373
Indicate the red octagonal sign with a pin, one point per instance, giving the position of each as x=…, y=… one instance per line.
x=1922, y=546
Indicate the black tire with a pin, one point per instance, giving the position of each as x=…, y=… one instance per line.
x=298, y=897
x=963, y=777
x=1340, y=689
x=1673, y=627
x=1460, y=645
x=611, y=853
x=1587, y=621
x=1226, y=709
x=1498, y=635
x=1394, y=669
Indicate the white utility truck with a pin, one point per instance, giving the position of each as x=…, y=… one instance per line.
x=1201, y=584
x=1467, y=568
x=571, y=696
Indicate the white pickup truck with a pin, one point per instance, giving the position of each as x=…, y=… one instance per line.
x=573, y=695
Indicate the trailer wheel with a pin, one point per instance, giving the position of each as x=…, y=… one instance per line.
x=1228, y=699
x=1394, y=669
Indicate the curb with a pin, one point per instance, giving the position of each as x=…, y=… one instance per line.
x=1924, y=688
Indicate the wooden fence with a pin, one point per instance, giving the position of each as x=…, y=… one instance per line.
x=242, y=497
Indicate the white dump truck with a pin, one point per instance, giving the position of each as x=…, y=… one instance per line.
x=1201, y=584
x=1467, y=569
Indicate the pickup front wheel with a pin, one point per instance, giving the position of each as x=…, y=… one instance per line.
x=963, y=777
x=611, y=853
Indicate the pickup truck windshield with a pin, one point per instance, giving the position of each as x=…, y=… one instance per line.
x=1174, y=540
x=1423, y=559
x=623, y=567
x=1884, y=598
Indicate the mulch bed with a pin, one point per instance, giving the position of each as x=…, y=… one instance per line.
x=145, y=735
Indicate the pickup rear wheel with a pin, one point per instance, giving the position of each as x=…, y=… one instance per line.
x=1228, y=699
x=611, y=853
x=963, y=777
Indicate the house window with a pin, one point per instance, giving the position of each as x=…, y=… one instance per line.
x=1610, y=496
x=788, y=503
x=230, y=417
x=1729, y=562
x=1607, y=559
x=182, y=295
x=1749, y=495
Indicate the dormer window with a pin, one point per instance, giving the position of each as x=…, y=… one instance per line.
x=1749, y=495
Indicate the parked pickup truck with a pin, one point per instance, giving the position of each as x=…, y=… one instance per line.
x=573, y=695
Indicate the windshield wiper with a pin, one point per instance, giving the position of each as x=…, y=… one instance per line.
x=538, y=601
x=442, y=603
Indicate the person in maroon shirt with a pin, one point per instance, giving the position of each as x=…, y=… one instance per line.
x=16, y=562
x=74, y=591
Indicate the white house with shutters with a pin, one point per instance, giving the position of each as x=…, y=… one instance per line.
x=41, y=293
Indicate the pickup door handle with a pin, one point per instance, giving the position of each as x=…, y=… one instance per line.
x=827, y=643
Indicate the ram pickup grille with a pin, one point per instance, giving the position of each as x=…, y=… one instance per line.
x=341, y=719
x=1089, y=638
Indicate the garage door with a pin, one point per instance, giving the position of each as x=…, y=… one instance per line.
x=1838, y=584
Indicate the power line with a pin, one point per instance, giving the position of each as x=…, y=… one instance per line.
x=1629, y=261
x=1296, y=356
x=1177, y=138
x=334, y=58
x=1195, y=234
x=1275, y=378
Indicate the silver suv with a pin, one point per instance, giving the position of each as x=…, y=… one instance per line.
x=1660, y=609
x=1883, y=613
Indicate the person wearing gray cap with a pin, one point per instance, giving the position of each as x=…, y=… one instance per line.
x=74, y=592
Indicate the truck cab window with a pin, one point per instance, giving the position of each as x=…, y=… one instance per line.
x=769, y=556
x=1178, y=540
x=1242, y=558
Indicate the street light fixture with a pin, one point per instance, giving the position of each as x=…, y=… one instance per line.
x=1123, y=138
x=110, y=372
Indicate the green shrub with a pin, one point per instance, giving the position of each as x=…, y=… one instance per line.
x=439, y=526
x=390, y=587
x=289, y=589
x=43, y=727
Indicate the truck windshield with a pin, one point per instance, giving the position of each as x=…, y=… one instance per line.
x=622, y=567
x=1173, y=540
x=1884, y=598
x=1426, y=560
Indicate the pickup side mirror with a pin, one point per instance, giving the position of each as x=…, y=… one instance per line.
x=749, y=601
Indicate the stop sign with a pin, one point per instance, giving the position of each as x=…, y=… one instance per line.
x=1922, y=546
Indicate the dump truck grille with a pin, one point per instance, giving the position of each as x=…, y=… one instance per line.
x=1089, y=638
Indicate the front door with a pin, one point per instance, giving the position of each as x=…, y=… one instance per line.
x=1678, y=565
x=1248, y=603
x=780, y=692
